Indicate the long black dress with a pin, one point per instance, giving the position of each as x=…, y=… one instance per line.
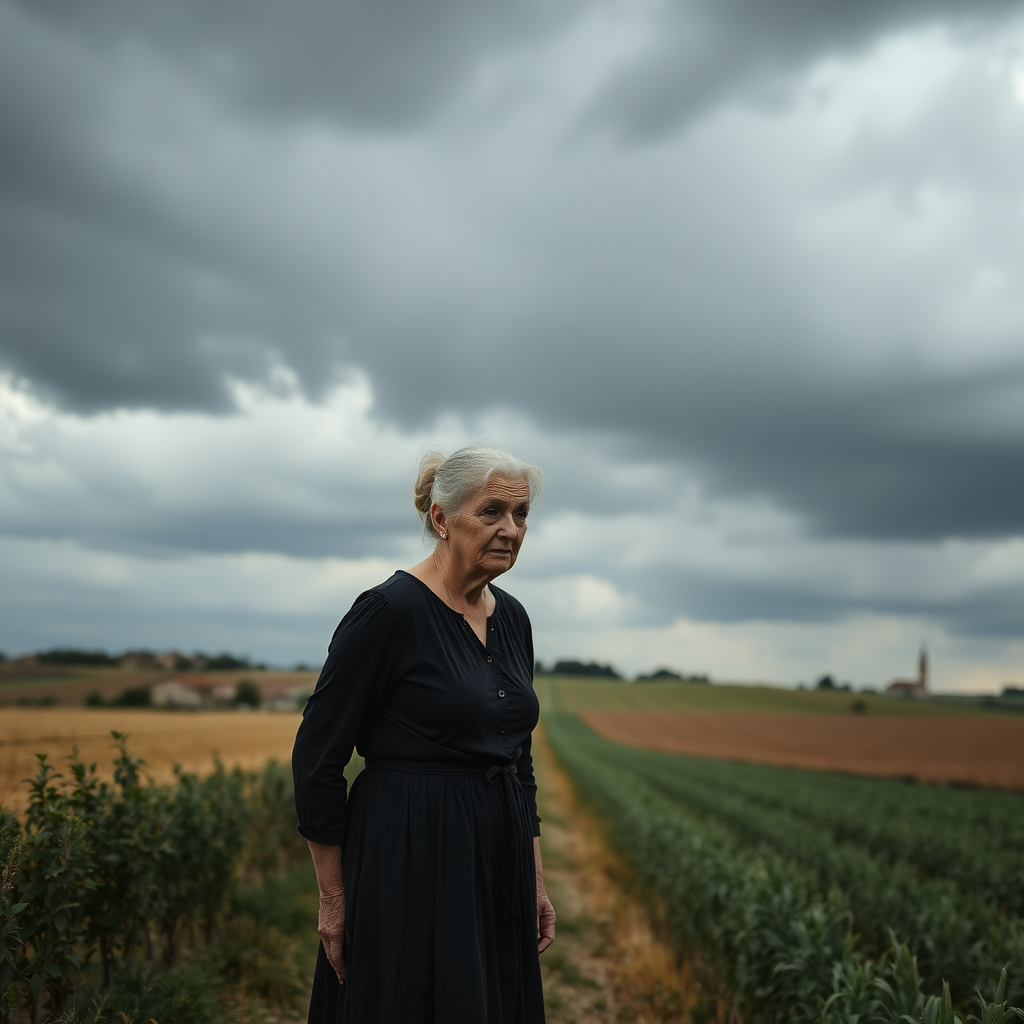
x=436, y=835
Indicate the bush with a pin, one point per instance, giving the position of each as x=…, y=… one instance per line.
x=133, y=697
x=247, y=692
x=108, y=891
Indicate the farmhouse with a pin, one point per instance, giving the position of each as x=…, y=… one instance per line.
x=912, y=687
x=186, y=692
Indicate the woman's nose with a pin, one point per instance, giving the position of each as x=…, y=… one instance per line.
x=507, y=526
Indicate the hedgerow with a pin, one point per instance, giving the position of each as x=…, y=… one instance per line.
x=779, y=928
x=109, y=891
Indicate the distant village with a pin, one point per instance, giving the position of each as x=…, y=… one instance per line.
x=201, y=681
x=187, y=681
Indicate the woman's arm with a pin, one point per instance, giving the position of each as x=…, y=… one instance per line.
x=545, y=912
x=354, y=683
x=327, y=864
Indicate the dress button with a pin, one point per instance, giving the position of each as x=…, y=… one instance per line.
x=502, y=729
x=489, y=659
x=501, y=693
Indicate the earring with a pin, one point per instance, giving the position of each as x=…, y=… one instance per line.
x=444, y=536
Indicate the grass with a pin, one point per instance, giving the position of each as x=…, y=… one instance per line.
x=579, y=695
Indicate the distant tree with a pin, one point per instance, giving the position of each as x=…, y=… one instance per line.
x=1013, y=691
x=134, y=697
x=826, y=683
x=657, y=674
x=580, y=668
x=226, y=662
x=74, y=656
x=247, y=692
x=94, y=700
x=302, y=667
x=3, y=656
x=538, y=668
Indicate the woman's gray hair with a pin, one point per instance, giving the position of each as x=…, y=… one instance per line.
x=449, y=480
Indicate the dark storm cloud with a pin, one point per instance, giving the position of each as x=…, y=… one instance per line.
x=380, y=64
x=374, y=524
x=869, y=458
x=115, y=293
x=705, y=53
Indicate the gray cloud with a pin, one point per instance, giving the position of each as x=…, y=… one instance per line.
x=706, y=53
x=676, y=312
x=381, y=65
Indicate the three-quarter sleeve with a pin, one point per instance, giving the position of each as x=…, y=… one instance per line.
x=361, y=666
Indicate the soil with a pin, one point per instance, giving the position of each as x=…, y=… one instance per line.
x=982, y=751
x=610, y=961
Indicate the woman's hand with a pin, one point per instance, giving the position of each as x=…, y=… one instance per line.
x=545, y=920
x=545, y=911
x=331, y=925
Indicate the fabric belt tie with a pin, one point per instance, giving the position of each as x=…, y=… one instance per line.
x=517, y=852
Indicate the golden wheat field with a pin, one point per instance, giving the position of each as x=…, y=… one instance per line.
x=161, y=738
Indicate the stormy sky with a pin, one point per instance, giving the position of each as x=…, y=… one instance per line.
x=745, y=279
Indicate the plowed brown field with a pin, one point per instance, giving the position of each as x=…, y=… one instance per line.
x=162, y=738
x=985, y=751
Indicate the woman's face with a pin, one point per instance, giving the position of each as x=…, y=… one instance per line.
x=488, y=532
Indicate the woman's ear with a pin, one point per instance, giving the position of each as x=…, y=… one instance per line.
x=439, y=521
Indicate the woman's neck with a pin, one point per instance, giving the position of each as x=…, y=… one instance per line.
x=466, y=592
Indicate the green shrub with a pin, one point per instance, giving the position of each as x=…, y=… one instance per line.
x=247, y=692
x=128, y=900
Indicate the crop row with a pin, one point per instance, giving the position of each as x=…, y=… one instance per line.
x=102, y=876
x=782, y=938
x=933, y=828
x=955, y=935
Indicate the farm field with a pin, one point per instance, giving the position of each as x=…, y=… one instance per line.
x=981, y=750
x=775, y=892
x=161, y=738
x=609, y=965
x=819, y=896
x=579, y=695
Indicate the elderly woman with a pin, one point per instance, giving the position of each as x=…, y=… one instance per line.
x=432, y=901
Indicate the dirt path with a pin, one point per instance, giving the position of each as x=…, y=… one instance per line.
x=983, y=751
x=607, y=965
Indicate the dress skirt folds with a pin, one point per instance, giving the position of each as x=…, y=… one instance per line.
x=441, y=913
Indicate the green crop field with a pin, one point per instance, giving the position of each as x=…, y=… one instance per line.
x=821, y=897
x=576, y=695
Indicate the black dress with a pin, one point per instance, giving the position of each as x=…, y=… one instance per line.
x=436, y=835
